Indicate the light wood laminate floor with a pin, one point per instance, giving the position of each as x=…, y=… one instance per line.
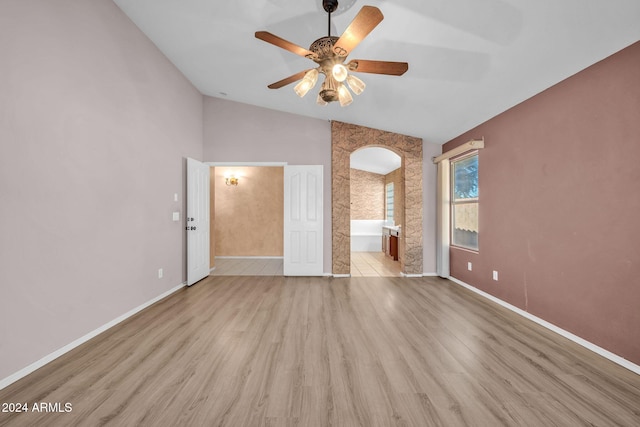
x=280, y=351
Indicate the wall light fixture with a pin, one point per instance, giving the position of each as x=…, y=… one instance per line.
x=231, y=180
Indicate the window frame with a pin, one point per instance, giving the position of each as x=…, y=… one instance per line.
x=389, y=188
x=466, y=201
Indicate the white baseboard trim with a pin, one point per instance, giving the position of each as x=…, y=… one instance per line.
x=249, y=257
x=429, y=274
x=410, y=275
x=50, y=357
x=341, y=275
x=581, y=341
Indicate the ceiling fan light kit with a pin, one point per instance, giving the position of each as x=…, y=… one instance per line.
x=330, y=53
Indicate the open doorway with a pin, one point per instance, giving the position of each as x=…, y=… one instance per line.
x=247, y=220
x=347, y=138
x=266, y=219
x=377, y=205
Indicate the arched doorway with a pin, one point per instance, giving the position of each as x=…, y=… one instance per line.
x=376, y=211
x=345, y=139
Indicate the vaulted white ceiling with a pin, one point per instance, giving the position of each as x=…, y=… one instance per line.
x=469, y=60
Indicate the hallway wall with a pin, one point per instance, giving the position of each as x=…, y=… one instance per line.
x=249, y=217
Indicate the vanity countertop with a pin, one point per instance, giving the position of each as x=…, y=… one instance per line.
x=393, y=230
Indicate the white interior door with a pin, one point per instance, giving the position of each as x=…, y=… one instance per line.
x=303, y=243
x=197, y=221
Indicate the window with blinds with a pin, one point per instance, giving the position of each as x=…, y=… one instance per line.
x=464, y=201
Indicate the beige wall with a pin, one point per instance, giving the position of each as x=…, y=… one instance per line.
x=367, y=195
x=249, y=217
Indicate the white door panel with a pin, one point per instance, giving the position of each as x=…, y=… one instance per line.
x=197, y=221
x=303, y=221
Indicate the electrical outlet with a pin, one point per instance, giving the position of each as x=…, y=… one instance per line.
x=160, y=273
x=495, y=275
x=469, y=266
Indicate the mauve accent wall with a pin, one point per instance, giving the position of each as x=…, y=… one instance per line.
x=237, y=132
x=94, y=126
x=559, y=202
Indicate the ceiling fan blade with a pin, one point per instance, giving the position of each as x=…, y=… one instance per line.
x=284, y=44
x=364, y=22
x=288, y=80
x=377, y=67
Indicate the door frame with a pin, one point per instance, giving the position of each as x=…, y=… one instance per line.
x=235, y=164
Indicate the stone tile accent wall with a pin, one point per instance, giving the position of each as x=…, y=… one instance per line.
x=345, y=139
x=367, y=195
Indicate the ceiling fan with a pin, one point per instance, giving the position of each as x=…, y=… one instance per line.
x=330, y=53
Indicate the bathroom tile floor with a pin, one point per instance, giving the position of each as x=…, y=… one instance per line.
x=373, y=264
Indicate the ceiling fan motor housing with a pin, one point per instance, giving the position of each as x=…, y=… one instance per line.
x=323, y=48
x=326, y=59
x=330, y=6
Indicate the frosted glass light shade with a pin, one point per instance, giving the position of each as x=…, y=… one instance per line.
x=339, y=72
x=312, y=75
x=356, y=85
x=302, y=88
x=344, y=96
x=307, y=83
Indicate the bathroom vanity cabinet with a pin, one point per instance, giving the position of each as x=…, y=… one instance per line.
x=390, y=241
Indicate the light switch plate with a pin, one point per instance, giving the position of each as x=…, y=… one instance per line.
x=176, y=216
